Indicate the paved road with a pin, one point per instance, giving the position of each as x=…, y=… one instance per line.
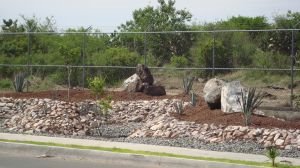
x=16, y=160
x=13, y=160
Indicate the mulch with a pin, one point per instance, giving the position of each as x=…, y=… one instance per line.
x=199, y=114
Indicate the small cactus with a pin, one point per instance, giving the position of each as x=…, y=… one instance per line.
x=19, y=82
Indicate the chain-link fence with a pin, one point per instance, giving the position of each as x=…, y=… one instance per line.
x=266, y=59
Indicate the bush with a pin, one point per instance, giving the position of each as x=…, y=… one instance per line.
x=179, y=61
x=115, y=57
x=97, y=85
x=5, y=84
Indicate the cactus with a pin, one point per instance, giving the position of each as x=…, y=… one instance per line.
x=193, y=99
x=19, y=82
x=187, y=84
x=179, y=107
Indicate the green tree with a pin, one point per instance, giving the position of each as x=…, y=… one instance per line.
x=163, y=18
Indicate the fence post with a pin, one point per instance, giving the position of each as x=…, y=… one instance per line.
x=83, y=61
x=213, y=55
x=145, y=50
x=29, y=70
x=292, y=69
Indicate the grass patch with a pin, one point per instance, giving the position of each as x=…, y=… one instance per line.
x=148, y=153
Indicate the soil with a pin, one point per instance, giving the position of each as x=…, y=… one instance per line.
x=199, y=114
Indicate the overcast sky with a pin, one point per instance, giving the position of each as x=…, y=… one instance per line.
x=108, y=14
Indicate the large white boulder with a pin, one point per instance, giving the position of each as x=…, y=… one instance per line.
x=230, y=95
x=130, y=84
x=212, y=92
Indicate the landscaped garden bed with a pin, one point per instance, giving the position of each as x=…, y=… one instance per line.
x=139, y=118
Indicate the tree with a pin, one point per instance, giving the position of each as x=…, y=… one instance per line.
x=163, y=18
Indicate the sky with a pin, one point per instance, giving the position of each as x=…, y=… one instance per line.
x=106, y=15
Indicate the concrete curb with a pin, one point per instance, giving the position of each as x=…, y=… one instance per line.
x=151, y=148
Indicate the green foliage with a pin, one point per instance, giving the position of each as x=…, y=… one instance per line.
x=97, y=85
x=179, y=107
x=163, y=18
x=116, y=57
x=187, y=83
x=202, y=52
x=105, y=106
x=272, y=153
x=179, y=61
x=5, y=84
x=249, y=101
x=270, y=60
x=19, y=82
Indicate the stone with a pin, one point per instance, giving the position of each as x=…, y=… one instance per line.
x=279, y=142
x=212, y=93
x=131, y=83
x=154, y=90
x=230, y=94
x=144, y=73
x=157, y=126
x=136, y=119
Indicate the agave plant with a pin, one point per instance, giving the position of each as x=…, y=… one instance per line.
x=19, y=82
x=272, y=153
x=249, y=101
x=187, y=84
x=179, y=107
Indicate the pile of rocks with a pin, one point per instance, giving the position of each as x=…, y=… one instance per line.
x=155, y=119
x=46, y=116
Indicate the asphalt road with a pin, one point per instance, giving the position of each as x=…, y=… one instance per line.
x=13, y=160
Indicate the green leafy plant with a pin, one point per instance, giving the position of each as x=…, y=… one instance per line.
x=5, y=84
x=249, y=101
x=103, y=113
x=187, y=84
x=19, y=82
x=272, y=153
x=96, y=84
x=179, y=107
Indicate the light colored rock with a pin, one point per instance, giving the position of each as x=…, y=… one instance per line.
x=230, y=94
x=212, y=92
x=130, y=84
x=157, y=126
x=279, y=142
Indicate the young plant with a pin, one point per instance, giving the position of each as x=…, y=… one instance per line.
x=187, y=84
x=103, y=113
x=19, y=82
x=272, y=153
x=97, y=85
x=179, y=107
x=193, y=99
x=249, y=101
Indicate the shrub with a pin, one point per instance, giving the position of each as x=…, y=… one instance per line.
x=97, y=85
x=249, y=101
x=179, y=61
x=5, y=84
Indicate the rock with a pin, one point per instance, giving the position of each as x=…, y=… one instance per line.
x=230, y=95
x=279, y=142
x=144, y=73
x=155, y=90
x=136, y=119
x=212, y=93
x=157, y=127
x=131, y=83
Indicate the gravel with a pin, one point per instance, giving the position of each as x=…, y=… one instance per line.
x=119, y=133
